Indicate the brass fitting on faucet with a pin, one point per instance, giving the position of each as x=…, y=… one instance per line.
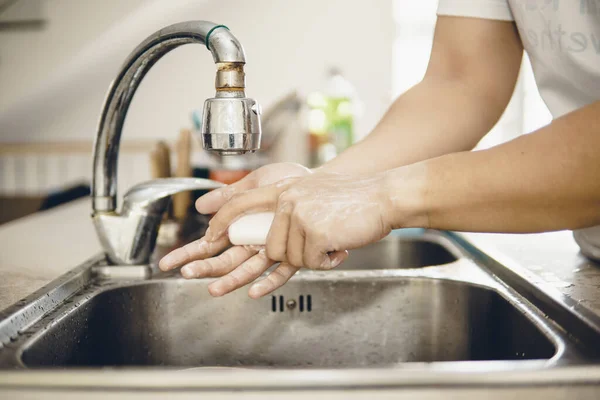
x=230, y=77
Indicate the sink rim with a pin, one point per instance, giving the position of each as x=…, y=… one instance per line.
x=456, y=375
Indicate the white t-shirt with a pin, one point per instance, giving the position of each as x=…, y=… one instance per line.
x=562, y=40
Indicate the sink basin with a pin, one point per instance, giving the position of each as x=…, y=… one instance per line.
x=399, y=252
x=310, y=322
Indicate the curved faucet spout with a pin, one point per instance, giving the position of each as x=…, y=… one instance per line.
x=146, y=196
x=239, y=127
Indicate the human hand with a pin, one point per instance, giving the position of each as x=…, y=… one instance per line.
x=317, y=218
x=239, y=264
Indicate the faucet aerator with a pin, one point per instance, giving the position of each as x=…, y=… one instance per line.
x=231, y=126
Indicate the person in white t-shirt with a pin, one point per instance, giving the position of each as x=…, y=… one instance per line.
x=416, y=168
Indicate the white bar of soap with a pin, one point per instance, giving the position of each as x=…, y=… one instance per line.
x=251, y=229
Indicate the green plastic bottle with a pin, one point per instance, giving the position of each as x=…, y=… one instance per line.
x=332, y=118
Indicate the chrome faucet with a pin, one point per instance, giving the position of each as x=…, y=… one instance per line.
x=230, y=126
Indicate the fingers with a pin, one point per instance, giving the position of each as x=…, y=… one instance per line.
x=338, y=257
x=273, y=281
x=277, y=237
x=198, y=249
x=319, y=254
x=253, y=200
x=327, y=261
x=217, y=266
x=242, y=275
x=211, y=202
x=295, y=245
x=316, y=251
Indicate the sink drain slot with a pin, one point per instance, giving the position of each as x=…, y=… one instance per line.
x=274, y=303
x=304, y=303
x=308, y=303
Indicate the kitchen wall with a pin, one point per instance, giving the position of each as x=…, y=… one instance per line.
x=52, y=83
x=28, y=57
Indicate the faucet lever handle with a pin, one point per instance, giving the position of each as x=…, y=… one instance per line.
x=151, y=196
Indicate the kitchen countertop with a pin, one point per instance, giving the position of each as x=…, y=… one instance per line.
x=38, y=248
x=551, y=259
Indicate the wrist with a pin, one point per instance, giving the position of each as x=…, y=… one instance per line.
x=405, y=197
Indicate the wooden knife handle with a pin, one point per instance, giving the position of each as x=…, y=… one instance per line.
x=181, y=201
x=160, y=161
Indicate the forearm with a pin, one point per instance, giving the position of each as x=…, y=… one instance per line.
x=543, y=181
x=435, y=117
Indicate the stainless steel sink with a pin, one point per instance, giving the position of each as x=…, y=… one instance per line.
x=396, y=252
x=323, y=323
x=420, y=301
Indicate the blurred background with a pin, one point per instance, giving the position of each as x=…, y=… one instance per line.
x=324, y=72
